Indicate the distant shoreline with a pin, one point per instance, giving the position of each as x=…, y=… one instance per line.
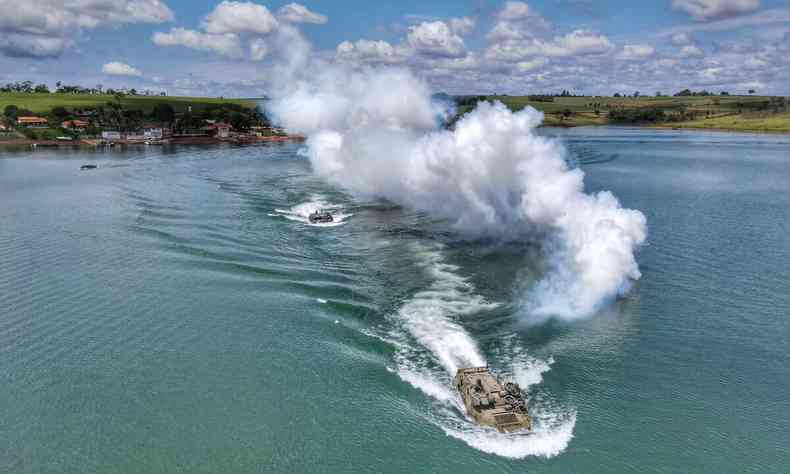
x=90, y=143
x=725, y=113
x=669, y=128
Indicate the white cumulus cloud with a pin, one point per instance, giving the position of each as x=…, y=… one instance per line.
x=238, y=29
x=705, y=10
x=296, y=13
x=370, y=51
x=240, y=17
x=637, y=51
x=690, y=51
x=462, y=26
x=120, y=69
x=514, y=11
x=516, y=21
x=576, y=43
x=680, y=39
x=527, y=66
x=258, y=49
x=435, y=38
x=223, y=44
x=45, y=28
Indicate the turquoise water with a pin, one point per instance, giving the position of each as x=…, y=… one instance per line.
x=171, y=311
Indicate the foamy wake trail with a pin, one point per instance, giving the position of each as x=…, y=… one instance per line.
x=431, y=319
x=430, y=315
x=301, y=212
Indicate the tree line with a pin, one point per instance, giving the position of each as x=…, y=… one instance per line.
x=30, y=87
x=114, y=116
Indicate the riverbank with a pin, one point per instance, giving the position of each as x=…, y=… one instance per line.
x=24, y=143
x=755, y=114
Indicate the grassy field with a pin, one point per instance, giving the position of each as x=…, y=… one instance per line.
x=43, y=103
x=737, y=113
x=743, y=122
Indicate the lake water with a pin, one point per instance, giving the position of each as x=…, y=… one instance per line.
x=172, y=311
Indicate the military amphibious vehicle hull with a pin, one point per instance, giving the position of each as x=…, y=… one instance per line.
x=490, y=403
x=320, y=217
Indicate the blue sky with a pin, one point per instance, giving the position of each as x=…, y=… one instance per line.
x=208, y=47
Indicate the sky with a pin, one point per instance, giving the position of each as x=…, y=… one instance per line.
x=224, y=48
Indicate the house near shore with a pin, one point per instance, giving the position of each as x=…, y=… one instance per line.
x=110, y=135
x=75, y=125
x=154, y=131
x=134, y=136
x=218, y=129
x=32, y=122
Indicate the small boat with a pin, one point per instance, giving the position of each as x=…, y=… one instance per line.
x=88, y=167
x=320, y=217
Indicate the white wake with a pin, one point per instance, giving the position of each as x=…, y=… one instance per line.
x=431, y=319
x=301, y=212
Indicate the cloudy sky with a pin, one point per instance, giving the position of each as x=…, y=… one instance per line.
x=207, y=47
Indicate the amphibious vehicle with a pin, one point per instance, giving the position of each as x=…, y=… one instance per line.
x=490, y=403
x=320, y=217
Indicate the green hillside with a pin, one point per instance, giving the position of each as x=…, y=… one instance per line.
x=44, y=103
x=737, y=113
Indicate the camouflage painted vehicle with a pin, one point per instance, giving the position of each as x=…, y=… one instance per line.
x=320, y=217
x=490, y=403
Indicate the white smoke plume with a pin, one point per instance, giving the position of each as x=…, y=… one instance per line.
x=374, y=131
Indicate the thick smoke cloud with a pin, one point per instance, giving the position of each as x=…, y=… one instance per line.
x=374, y=131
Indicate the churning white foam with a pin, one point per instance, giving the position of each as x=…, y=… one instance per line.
x=375, y=132
x=301, y=212
x=430, y=315
x=431, y=319
x=550, y=436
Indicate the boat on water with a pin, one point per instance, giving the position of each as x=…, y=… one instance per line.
x=320, y=217
x=490, y=403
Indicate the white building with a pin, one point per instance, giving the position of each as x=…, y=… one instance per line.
x=110, y=135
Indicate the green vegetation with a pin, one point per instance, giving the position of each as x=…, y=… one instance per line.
x=42, y=103
x=123, y=112
x=686, y=109
x=743, y=122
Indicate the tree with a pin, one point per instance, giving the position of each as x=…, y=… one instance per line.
x=163, y=113
x=60, y=112
x=132, y=91
x=636, y=94
x=751, y=91
x=189, y=121
x=11, y=111
x=617, y=94
x=41, y=89
x=239, y=121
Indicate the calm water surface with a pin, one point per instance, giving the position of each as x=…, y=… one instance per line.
x=171, y=311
